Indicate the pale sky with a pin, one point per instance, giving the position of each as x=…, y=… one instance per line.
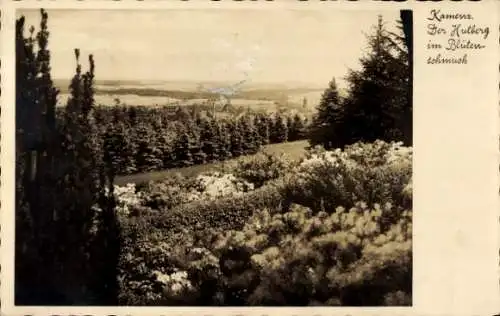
x=199, y=45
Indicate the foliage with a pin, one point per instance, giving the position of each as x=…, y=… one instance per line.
x=142, y=139
x=226, y=212
x=66, y=232
x=177, y=190
x=127, y=199
x=378, y=106
x=375, y=173
x=155, y=242
x=260, y=248
x=165, y=194
x=262, y=167
x=296, y=127
x=325, y=127
x=279, y=131
x=214, y=185
x=293, y=258
x=299, y=259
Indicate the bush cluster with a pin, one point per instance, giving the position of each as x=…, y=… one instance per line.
x=261, y=247
x=342, y=258
x=262, y=167
x=178, y=190
x=376, y=172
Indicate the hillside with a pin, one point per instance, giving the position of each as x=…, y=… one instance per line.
x=294, y=150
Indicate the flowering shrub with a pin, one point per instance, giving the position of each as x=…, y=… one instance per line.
x=295, y=258
x=326, y=259
x=176, y=191
x=138, y=266
x=228, y=212
x=262, y=167
x=127, y=198
x=375, y=173
x=212, y=185
x=349, y=243
x=166, y=194
x=369, y=155
x=163, y=242
x=176, y=284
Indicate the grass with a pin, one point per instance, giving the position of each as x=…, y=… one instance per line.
x=295, y=150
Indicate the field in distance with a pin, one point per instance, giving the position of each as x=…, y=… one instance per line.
x=257, y=96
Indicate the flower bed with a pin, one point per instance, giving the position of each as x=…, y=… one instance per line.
x=235, y=245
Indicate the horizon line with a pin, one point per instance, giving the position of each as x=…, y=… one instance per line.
x=206, y=80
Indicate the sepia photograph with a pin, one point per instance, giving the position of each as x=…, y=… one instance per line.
x=230, y=157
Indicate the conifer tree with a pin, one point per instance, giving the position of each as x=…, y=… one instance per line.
x=254, y=133
x=209, y=145
x=48, y=93
x=61, y=179
x=114, y=144
x=263, y=129
x=221, y=151
x=173, y=157
x=132, y=115
x=249, y=135
x=279, y=133
x=297, y=127
x=257, y=127
x=199, y=156
x=328, y=120
x=404, y=43
x=378, y=93
x=270, y=123
x=237, y=139
x=129, y=151
x=225, y=137
x=166, y=139
x=184, y=149
x=289, y=125
x=379, y=102
x=29, y=223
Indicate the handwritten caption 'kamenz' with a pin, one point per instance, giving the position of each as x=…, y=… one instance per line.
x=452, y=34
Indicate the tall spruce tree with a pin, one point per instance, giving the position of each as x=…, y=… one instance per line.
x=297, y=129
x=29, y=222
x=148, y=155
x=379, y=100
x=208, y=139
x=289, y=124
x=379, y=104
x=61, y=181
x=185, y=146
x=326, y=126
x=237, y=139
x=405, y=27
x=279, y=131
x=263, y=128
x=248, y=131
x=225, y=137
